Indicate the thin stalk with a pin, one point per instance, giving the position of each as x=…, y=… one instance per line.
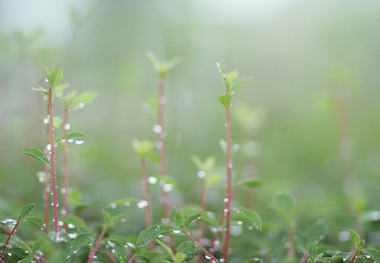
x=161, y=146
x=47, y=179
x=291, y=253
x=97, y=244
x=354, y=256
x=227, y=210
x=201, y=225
x=53, y=163
x=199, y=245
x=133, y=257
x=147, y=208
x=304, y=258
x=65, y=171
x=8, y=239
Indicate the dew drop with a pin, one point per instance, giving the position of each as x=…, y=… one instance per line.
x=142, y=204
x=165, y=221
x=46, y=80
x=70, y=225
x=201, y=174
x=81, y=105
x=71, y=140
x=152, y=180
x=67, y=126
x=159, y=145
x=78, y=142
x=162, y=100
x=113, y=205
x=9, y=221
x=225, y=200
x=239, y=223
x=63, y=190
x=127, y=203
x=46, y=121
x=48, y=147
x=157, y=128
x=167, y=187
x=176, y=231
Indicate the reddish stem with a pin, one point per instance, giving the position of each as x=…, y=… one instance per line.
x=46, y=193
x=199, y=245
x=147, y=209
x=65, y=164
x=53, y=164
x=304, y=258
x=97, y=244
x=161, y=146
x=132, y=258
x=8, y=239
x=227, y=210
x=292, y=248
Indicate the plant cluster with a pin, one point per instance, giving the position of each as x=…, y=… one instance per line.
x=183, y=234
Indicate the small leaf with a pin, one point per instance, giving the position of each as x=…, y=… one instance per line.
x=206, y=166
x=35, y=220
x=74, y=196
x=57, y=121
x=239, y=83
x=82, y=240
x=355, y=238
x=166, y=248
x=192, y=218
x=142, y=148
x=124, y=202
x=164, y=67
x=177, y=217
x=82, y=100
x=213, y=179
x=73, y=136
x=107, y=217
x=225, y=100
x=234, y=148
x=69, y=97
x=230, y=78
x=75, y=221
x=165, y=179
x=248, y=217
x=42, y=90
x=58, y=90
x=25, y=211
x=284, y=206
x=188, y=248
x=54, y=77
x=179, y=257
x=374, y=253
x=37, y=154
x=120, y=252
x=313, y=252
x=152, y=233
x=37, y=246
x=252, y=182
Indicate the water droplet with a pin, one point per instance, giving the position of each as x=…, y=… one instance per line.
x=46, y=80
x=63, y=190
x=71, y=140
x=63, y=212
x=165, y=221
x=70, y=225
x=48, y=147
x=127, y=203
x=152, y=180
x=225, y=200
x=157, y=128
x=225, y=210
x=142, y=204
x=60, y=223
x=239, y=223
x=113, y=205
x=78, y=142
x=207, y=257
x=58, y=237
x=67, y=126
x=41, y=177
x=221, y=260
x=176, y=231
x=130, y=245
x=201, y=174
x=344, y=236
x=9, y=221
x=81, y=105
x=46, y=121
x=167, y=187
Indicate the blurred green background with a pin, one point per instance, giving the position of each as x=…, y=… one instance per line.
x=310, y=110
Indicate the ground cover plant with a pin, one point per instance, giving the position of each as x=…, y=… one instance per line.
x=189, y=233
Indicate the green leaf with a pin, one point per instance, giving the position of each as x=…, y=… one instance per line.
x=234, y=148
x=177, y=217
x=179, y=257
x=252, y=182
x=285, y=207
x=230, y=78
x=213, y=179
x=37, y=154
x=188, y=248
x=107, y=217
x=313, y=252
x=57, y=121
x=225, y=100
x=166, y=248
x=164, y=67
x=28, y=259
x=82, y=240
x=355, y=238
x=73, y=136
x=35, y=220
x=239, y=83
x=54, y=78
x=25, y=211
x=58, y=90
x=74, y=196
x=142, y=148
x=374, y=253
x=45, y=92
x=81, y=100
x=69, y=97
x=165, y=179
x=206, y=217
x=37, y=246
x=120, y=252
x=152, y=233
x=248, y=217
x=124, y=202
x=254, y=260
x=207, y=165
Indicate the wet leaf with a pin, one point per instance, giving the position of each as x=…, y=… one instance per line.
x=35, y=220
x=37, y=154
x=152, y=233
x=82, y=240
x=69, y=97
x=120, y=252
x=252, y=182
x=81, y=100
x=248, y=217
x=188, y=248
x=374, y=253
x=54, y=77
x=75, y=136
x=313, y=252
x=177, y=217
x=75, y=221
x=25, y=211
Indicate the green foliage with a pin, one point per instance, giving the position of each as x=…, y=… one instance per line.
x=76, y=137
x=53, y=77
x=162, y=68
x=248, y=217
x=25, y=211
x=37, y=154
